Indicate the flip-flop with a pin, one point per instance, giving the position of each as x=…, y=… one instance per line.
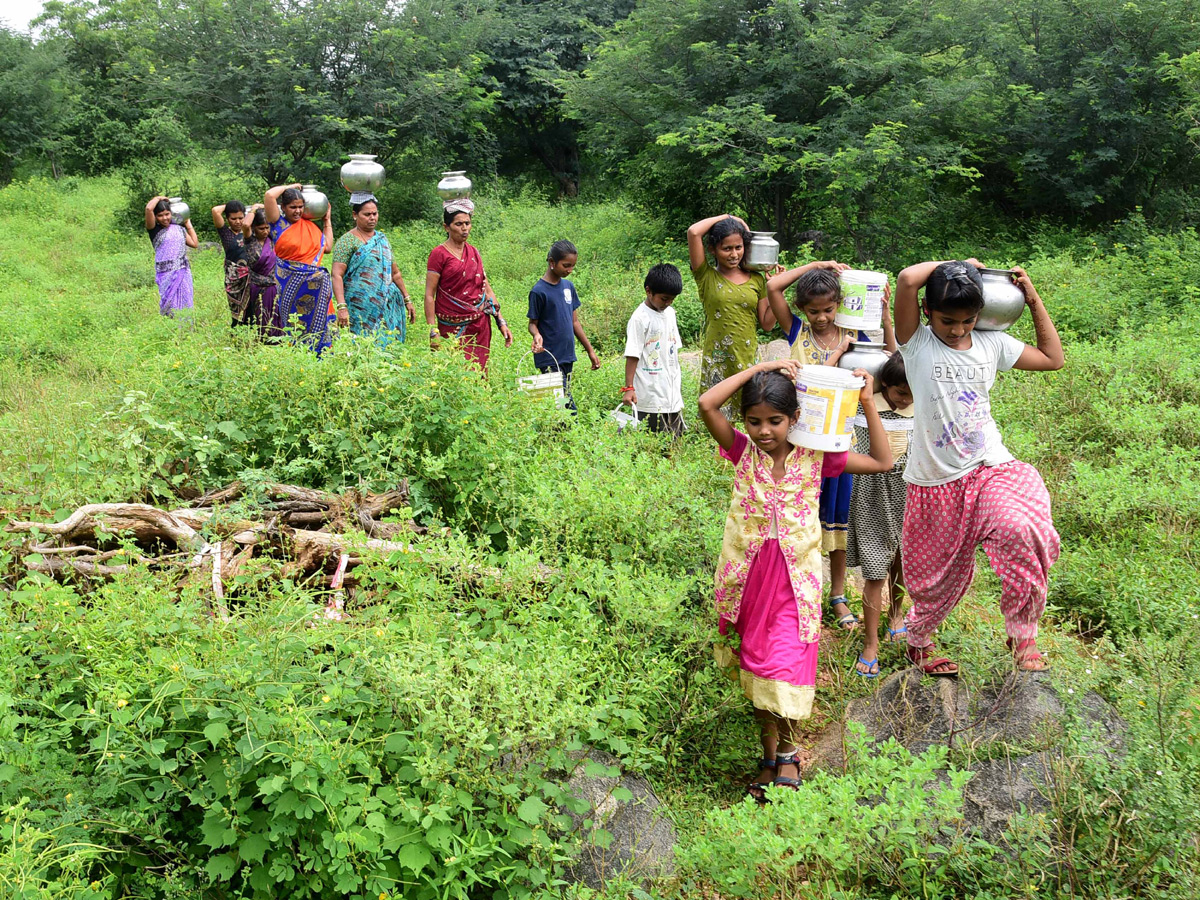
x=923, y=659
x=869, y=663
x=898, y=636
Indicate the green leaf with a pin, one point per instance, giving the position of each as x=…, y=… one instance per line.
x=532, y=810
x=221, y=868
x=215, y=732
x=414, y=857
x=252, y=847
x=231, y=430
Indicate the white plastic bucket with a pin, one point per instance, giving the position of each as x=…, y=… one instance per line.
x=543, y=384
x=828, y=403
x=861, y=306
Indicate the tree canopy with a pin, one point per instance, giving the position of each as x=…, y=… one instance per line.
x=847, y=116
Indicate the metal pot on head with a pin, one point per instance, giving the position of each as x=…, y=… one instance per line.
x=454, y=185
x=316, y=204
x=180, y=211
x=864, y=355
x=763, y=253
x=362, y=173
x=1003, y=301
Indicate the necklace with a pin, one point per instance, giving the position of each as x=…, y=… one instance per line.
x=820, y=343
x=449, y=245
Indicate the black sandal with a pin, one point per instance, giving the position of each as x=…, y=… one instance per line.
x=758, y=789
x=787, y=759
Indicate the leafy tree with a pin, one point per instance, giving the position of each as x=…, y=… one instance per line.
x=1079, y=116
x=27, y=98
x=529, y=45
x=289, y=84
x=804, y=116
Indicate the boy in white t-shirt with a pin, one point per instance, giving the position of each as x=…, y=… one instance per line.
x=964, y=487
x=653, y=380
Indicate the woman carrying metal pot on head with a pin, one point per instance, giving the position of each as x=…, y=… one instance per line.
x=305, y=289
x=734, y=299
x=171, y=268
x=259, y=255
x=367, y=285
x=229, y=219
x=458, y=299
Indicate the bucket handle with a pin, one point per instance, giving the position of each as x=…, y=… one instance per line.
x=631, y=405
x=530, y=353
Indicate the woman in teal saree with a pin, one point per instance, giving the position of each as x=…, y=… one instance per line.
x=367, y=285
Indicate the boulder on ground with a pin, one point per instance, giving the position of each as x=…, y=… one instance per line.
x=1007, y=732
x=642, y=835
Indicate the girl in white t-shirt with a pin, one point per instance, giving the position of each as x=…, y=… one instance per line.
x=964, y=488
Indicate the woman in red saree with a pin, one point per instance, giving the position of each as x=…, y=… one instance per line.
x=458, y=298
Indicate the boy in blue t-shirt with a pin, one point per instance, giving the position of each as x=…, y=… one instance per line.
x=554, y=318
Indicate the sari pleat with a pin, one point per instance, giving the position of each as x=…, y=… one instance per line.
x=375, y=303
x=172, y=272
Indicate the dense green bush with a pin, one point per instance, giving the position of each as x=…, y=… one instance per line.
x=265, y=755
x=885, y=826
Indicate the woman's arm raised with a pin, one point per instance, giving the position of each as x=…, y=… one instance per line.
x=271, y=200
x=695, y=238
x=153, y=202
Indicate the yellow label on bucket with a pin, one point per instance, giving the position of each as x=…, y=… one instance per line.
x=826, y=410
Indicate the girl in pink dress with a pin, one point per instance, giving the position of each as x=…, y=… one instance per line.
x=768, y=578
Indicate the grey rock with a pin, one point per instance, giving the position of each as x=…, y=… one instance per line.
x=643, y=836
x=1007, y=732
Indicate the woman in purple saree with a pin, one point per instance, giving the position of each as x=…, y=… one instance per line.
x=259, y=255
x=171, y=268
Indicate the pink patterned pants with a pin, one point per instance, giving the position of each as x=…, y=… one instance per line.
x=1006, y=509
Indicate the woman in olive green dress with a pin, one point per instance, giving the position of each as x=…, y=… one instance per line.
x=734, y=299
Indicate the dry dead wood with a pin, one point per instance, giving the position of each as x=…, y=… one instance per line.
x=143, y=521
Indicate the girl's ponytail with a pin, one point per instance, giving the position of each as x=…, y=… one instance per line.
x=560, y=250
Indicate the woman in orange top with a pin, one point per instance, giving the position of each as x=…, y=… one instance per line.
x=305, y=289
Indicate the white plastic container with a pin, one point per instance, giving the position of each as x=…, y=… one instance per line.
x=828, y=403
x=861, y=306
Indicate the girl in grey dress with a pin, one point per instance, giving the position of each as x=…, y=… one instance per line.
x=877, y=515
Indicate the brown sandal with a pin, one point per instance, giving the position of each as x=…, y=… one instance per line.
x=923, y=659
x=1024, y=658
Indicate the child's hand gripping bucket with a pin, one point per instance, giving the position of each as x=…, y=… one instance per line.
x=543, y=384
x=623, y=419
